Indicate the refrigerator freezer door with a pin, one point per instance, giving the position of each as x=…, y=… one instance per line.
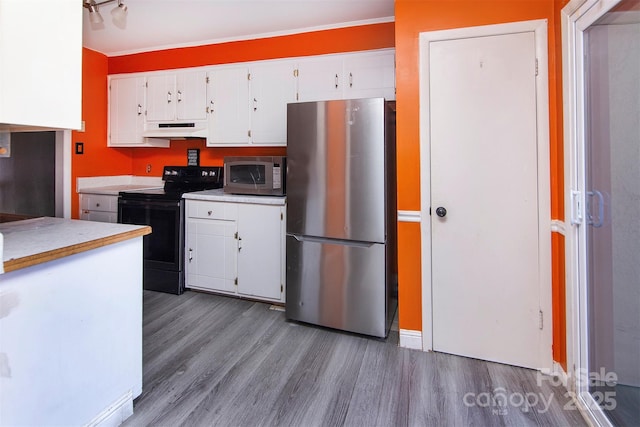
x=336, y=169
x=337, y=284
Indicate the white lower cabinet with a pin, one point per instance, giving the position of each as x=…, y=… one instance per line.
x=236, y=249
x=99, y=207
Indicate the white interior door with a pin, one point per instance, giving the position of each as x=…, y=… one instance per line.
x=483, y=169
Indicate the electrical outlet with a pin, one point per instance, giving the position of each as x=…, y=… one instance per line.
x=79, y=147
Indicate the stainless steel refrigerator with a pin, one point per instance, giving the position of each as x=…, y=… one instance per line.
x=341, y=215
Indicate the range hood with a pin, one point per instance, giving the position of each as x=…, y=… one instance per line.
x=176, y=131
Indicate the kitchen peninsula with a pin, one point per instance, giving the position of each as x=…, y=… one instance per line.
x=70, y=322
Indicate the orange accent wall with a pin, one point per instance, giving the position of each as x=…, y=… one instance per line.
x=97, y=159
x=412, y=18
x=364, y=37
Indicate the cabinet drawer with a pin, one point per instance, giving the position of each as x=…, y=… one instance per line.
x=212, y=210
x=99, y=202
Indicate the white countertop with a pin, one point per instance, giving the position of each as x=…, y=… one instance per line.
x=113, y=185
x=218, y=195
x=38, y=240
x=114, y=190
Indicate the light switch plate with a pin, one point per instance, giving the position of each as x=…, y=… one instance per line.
x=5, y=144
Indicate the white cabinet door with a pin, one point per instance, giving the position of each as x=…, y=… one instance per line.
x=273, y=85
x=211, y=255
x=260, y=251
x=345, y=76
x=191, y=95
x=99, y=207
x=126, y=111
x=161, y=97
x=228, y=103
x=319, y=79
x=369, y=75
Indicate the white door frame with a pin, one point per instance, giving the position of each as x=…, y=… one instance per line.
x=577, y=16
x=539, y=27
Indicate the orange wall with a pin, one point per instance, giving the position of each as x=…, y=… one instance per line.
x=97, y=158
x=412, y=18
x=376, y=36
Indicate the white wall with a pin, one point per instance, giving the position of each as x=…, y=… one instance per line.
x=71, y=338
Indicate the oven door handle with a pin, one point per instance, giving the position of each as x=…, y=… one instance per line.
x=150, y=203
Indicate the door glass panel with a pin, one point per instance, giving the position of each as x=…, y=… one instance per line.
x=613, y=211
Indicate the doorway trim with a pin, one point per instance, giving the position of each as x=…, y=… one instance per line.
x=539, y=27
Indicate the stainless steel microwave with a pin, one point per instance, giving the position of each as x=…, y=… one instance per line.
x=260, y=175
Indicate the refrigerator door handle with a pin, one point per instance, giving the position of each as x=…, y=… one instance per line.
x=313, y=239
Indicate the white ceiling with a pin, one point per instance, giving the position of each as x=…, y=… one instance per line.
x=161, y=24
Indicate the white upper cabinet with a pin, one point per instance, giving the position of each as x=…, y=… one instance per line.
x=126, y=113
x=177, y=96
x=319, y=78
x=241, y=104
x=41, y=64
x=369, y=75
x=344, y=76
x=228, y=105
x=273, y=85
x=191, y=95
x=161, y=96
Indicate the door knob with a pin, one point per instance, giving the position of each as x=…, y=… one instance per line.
x=441, y=212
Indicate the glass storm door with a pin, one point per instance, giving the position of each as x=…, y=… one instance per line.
x=611, y=235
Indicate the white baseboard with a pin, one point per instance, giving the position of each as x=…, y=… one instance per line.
x=116, y=413
x=411, y=339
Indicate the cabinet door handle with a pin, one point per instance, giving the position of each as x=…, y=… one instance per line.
x=336, y=81
x=179, y=96
x=350, y=80
x=168, y=97
x=209, y=213
x=255, y=104
x=139, y=109
x=190, y=254
x=97, y=205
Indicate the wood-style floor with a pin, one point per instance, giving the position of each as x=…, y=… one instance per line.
x=211, y=360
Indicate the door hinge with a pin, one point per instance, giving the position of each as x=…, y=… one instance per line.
x=541, y=320
x=206, y=79
x=249, y=133
x=235, y=282
x=281, y=216
x=281, y=289
x=146, y=84
x=295, y=73
x=235, y=236
x=248, y=76
x=536, y=66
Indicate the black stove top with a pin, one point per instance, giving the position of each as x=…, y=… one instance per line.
x=179, y=180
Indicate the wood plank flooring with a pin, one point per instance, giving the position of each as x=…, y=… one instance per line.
x=212, y=360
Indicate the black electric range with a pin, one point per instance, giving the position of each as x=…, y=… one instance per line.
x=163, y=210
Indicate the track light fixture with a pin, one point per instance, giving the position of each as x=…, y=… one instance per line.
x=118, y=13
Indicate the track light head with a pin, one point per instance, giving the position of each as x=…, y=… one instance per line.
x=118, y=14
